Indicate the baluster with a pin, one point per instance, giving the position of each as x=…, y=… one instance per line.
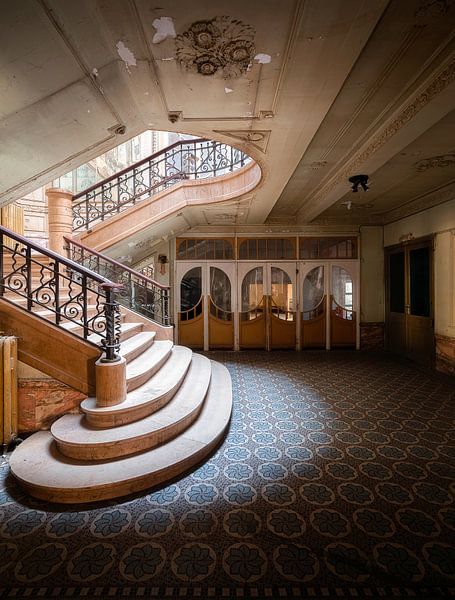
x=84, y=305
x=111, y=342
x=130, y=291
x=86, y=213
x=165, y=306
x=214, y=158
x=28, y=264
x=57, y=292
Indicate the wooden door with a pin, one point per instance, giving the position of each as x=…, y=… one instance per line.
x=313, y=313
x=220, y=313
x=343, y=317
x=282, y=314
x=253, y=305
x=191, y=308
x=409, y=313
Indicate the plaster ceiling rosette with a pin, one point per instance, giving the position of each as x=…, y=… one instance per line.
x=220, y=45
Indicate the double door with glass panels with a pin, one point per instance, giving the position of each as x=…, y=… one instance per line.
x=204, y=305
x=328, y=305
x=267, y=305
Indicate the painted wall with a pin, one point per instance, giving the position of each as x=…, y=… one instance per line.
x=439, y=220
x=371, y=274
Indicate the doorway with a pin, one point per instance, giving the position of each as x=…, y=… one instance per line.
x=409, y=301
x=268, y=305
x=205, y=305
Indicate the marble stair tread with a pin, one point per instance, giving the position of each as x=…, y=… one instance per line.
x=78, y=439
x=127, y=330
x=134, y=346
x=146, y=399
x=139, y=370
x=44, y=312
x=47, y=474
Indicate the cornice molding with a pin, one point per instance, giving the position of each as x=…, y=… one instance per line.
x=424, y=202
x=432, y=89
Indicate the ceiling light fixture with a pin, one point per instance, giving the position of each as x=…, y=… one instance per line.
x=357, y=180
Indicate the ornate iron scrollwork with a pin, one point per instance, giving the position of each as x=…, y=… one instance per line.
x=189, y=159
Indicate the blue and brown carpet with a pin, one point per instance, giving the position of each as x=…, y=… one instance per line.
x=336, y=480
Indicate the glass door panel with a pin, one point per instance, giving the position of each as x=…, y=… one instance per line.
x=190, y=316
x=221, y=317
x=313, y=315
x=252, y=309
x=342, y=315
x=281, y=307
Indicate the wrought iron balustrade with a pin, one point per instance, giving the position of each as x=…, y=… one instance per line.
x=139, y=293
x=189, y=159
x=32, y=276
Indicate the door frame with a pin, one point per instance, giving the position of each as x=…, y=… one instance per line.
x=352, y=266
x=228, y=267
x=407, y=247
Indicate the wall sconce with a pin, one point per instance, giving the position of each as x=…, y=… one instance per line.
x=357, y=180
x=162, y=259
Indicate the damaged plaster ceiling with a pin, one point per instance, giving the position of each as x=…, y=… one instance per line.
x=314, y=92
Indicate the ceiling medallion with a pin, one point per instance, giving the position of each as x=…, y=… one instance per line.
x=221, y=45
x=433, y=8
x=444, y=160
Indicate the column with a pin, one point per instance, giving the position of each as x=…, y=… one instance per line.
x=59, y=204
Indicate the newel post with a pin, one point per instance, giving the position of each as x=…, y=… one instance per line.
x=111, y=368
x=60, y=214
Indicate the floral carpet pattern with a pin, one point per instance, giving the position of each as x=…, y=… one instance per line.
x=336, y=480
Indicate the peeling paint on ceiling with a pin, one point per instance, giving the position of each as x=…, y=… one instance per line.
x=164, y=29
x=126, y=55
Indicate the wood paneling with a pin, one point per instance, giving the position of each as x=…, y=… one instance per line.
x=51, y=350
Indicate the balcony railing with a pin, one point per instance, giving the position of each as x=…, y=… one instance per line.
x=189, y=159
x=138, y=292
x=71, y=296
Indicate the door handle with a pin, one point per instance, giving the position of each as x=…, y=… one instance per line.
x=407, y=309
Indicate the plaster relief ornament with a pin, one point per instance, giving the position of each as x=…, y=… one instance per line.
x=221, y=44
x=444, y=160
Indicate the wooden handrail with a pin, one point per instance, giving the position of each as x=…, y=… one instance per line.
x=116, y=263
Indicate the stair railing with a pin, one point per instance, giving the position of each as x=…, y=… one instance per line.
x=67, y=292
x=139, y=292
x=189, y=159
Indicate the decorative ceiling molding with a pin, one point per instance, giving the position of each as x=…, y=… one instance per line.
x=431, y=9
x=433, y=89
x=443, y=160
x=259, y=138
x=220, y=45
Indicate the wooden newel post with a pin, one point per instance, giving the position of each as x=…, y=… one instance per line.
x=60, y=214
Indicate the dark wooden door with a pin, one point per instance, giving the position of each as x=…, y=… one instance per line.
x=409, y=311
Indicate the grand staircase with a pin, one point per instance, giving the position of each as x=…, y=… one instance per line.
x=177, y=406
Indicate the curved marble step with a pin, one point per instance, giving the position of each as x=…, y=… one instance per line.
x=77, y=439
x=134, y=346
x=139, y=370
x=46, y=474
x=127, y=330
x=146, y=399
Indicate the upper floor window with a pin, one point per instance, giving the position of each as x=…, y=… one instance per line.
x=267, y=249
x=328, y=247
x=205, y=249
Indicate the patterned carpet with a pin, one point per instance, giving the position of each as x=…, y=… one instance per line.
x=337, y=480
